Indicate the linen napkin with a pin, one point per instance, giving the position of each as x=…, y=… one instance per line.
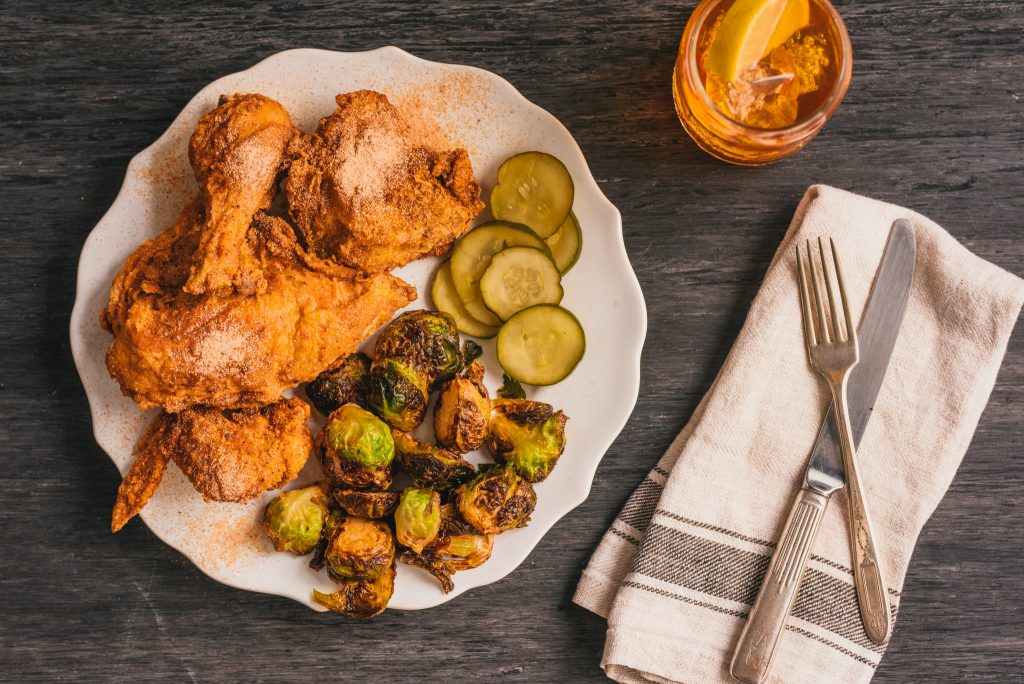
x=680, y=567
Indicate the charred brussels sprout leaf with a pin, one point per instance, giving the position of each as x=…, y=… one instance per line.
x=334, y=518
x=366, y=504
x=356, y=449
x=360, y=598
x=458, y=546
x=397, y=393
x=462, y=411
x=510, y=388
x=418, y=517
x=429, y=466
x=496, y=500
x=359, y=549
x=342, y=385
x=528, y=435
x=471, y=351
x=294, y=520
x=426, y=341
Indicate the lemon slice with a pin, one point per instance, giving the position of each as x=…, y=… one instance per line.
x=750, y=29
x=795, y=17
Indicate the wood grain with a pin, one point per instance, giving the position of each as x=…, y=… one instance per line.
x=934, y=120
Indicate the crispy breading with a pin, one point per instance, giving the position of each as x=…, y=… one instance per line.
x=364, y=191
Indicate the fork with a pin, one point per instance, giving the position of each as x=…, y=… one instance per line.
x=833, y=353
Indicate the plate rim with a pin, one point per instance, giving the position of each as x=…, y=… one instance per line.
x=633, y=294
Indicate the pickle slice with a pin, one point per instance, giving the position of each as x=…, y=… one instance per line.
x=566, y=244
x=520, y=277
x=535, y=189
x=541, y=345
x=472, y=255
x=446, y=299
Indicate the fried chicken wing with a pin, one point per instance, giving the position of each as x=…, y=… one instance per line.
x=172, y=349
x=144, y=474
x=233, y=456
x=364, y=191
x=237, y=151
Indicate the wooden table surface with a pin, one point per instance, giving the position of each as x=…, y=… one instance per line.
x=934, y=120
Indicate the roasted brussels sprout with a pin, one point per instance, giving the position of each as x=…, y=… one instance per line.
x=529, y=435
x=462, y=411
x=356, y=449
x=458, y=546
x=397, y=393
x=496, y=500
x=429, y=466
x=341, y=385
x=360, y=598
x=427, y=341
x=359, y=549
x=366, y=504
x=413, y=355
x=418, y=517
x=295, y=519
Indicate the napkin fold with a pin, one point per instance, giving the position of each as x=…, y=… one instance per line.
x=680, y=567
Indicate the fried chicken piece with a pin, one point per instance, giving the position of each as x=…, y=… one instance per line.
x=144, y=475
x=237, y=455
x=233, y=456
x=174, y=350
x=236, y=152
x=365, y=191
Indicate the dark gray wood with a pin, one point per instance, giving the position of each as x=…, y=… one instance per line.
x=934, y=120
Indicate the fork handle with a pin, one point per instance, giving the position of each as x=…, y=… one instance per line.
x=867, y=570
x=752, y=658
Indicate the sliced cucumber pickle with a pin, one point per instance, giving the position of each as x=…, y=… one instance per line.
x=518, y=278
x=541, y=345
x=566, y=244
x=534, y=189
x=446, y=299
x=472, y=255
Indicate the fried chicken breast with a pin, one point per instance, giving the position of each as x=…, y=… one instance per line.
x=172, y=349
x=227, y=456
x=363, y=190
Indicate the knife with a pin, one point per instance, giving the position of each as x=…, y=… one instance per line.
x=877, y=334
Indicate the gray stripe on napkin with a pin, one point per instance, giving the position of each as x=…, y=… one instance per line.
x=641, y=505
x=734, y=574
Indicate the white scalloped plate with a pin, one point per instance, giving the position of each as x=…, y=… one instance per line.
x=486, y=115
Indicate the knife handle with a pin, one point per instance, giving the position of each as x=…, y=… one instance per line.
x=752, y=658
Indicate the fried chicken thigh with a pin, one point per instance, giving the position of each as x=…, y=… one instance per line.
x=363, y=190
x=232, y=456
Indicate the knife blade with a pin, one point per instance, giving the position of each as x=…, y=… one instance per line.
x=879, y=328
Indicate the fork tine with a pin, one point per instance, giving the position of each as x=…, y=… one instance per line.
x=817, y=297
x=850, y=330
x=837, y=331
x=805, y=302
